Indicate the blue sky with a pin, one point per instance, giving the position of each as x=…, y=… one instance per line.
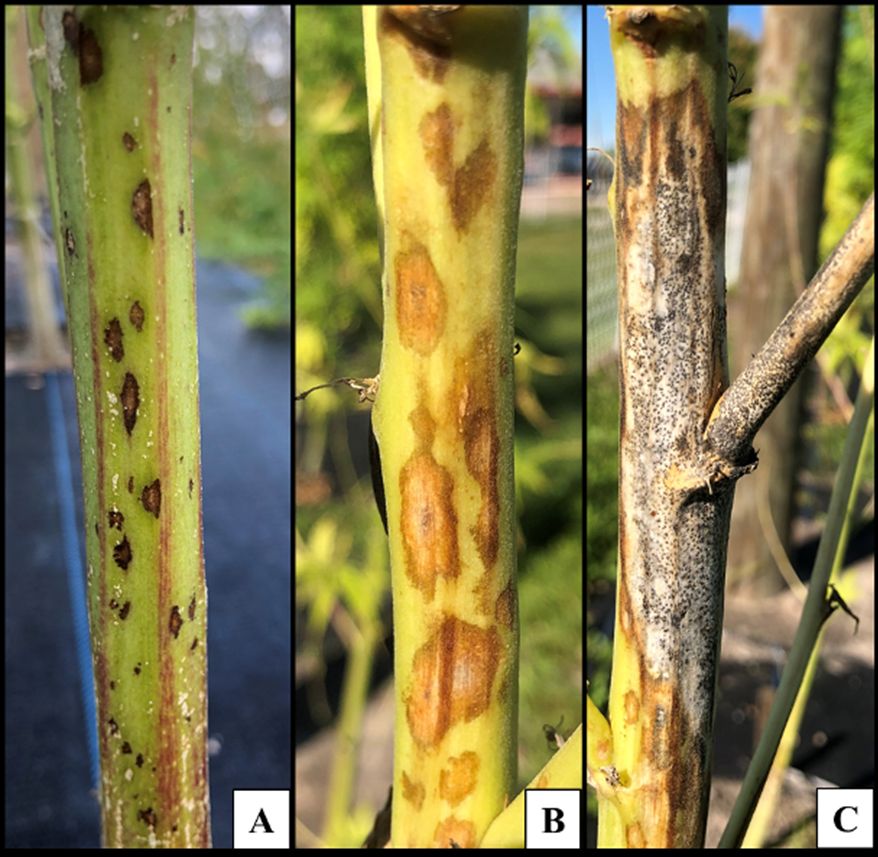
x=573, y=20
x=601, y=82
x=572, y=17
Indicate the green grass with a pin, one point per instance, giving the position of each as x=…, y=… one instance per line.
x=549, y=477
x=602, y=486
x=548, y=287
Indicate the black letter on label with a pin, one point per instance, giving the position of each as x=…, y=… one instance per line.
x=837, y=819
x=552, y=819
x=261, y=821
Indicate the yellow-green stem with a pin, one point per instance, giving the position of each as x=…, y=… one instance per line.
x=450, y=119
x=114, y=88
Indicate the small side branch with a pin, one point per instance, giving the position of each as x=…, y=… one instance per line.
x=753, y=396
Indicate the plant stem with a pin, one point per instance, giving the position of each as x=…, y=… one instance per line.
x=114, y=86
x=673, y=504
x=450, y=118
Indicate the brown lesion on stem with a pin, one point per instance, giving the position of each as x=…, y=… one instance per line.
x=413, y=791
x=421, y=303
x=141, y=207
x=137, y=316
x=113, y=339
x=130, y=397
x=451, y=679
x=151, y=497
x=122, y=554
x=427, y=38
x=469, y=185
x=455, y=830
x=458, y=779
x=473, y=409
x=429, y=523
x=91, y=58
x=175, y=622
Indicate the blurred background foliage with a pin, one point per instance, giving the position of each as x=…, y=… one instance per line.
x=338, y=334
x=850, y=178
x=241, y=148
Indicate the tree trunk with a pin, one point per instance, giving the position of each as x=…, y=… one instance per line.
x=114, y=88
x=674, y=497
x=446, y=105
x=788, y=146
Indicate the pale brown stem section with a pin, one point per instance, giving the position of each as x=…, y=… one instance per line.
x=674, y=504
x=749, y=401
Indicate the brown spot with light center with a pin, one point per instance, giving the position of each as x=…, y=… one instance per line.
x=130, y=397
x=458, y=778
x=113, y=339
x=116, y=519
x=421, y=305
x=136, y=316
x=141, y=207
x=451, y=679
x=429, y=523
x=151, y=497
x=129, y=142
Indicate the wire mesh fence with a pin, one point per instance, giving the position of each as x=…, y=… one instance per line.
x=601, y=315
